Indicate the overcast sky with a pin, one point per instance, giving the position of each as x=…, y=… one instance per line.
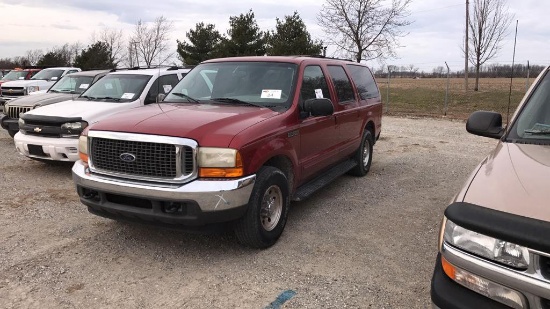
x=435, y=36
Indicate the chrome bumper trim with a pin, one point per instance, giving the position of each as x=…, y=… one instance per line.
x=210, y=195
x=518, y=280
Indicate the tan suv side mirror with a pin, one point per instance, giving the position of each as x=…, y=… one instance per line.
x=487, y=124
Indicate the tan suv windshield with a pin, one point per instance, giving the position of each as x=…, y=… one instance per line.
x=533, y=122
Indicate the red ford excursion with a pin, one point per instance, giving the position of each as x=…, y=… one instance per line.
x=234, y=141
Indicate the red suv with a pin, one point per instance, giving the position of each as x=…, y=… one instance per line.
x=235, y=141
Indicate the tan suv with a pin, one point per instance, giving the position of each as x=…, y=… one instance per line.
x=494, y=244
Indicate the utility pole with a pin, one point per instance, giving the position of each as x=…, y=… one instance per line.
x=466, y=47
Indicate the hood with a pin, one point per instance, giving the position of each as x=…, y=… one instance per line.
x=42, y=99
x=28, y=82
x=211, y=125
x=90, y=111
x=514, y=179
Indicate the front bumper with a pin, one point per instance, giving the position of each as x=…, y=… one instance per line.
x=48, y=148
x=199, y=202
x=7, y=123
x=447, y=294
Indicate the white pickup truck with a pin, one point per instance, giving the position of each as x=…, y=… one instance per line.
x=42, y=80
x=51, y=132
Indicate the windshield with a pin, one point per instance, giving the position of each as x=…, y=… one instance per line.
x=533, y=122
x=117, y=88
x=48, y=74
x=72, y=84
x=267, y=84
x=15, y=75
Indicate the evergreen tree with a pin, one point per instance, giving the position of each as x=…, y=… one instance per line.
x=97, y=56
x=292, y=38
x=244, y=37
x=203, y=43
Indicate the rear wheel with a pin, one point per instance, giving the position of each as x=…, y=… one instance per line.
x=267, y=211
x=364, y=155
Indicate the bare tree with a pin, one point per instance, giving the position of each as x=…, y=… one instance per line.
x=34, y=55
x=488, y=25
x=151, y=40
x=114, y=38
x=364, y=29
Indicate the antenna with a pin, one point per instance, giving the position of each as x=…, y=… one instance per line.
x=512, y=75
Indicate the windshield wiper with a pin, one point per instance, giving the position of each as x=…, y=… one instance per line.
x=233, y=100
x=537, y=132
x=183, y=95
x=54, y=91
x=109, y=98
x=88, y=97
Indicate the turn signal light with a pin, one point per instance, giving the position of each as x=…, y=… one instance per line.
x=212, y=172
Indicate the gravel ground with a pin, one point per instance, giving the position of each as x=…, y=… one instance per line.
x=360, y=243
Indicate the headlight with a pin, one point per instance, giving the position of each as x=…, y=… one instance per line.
x=74, y=125
x=31, y=89
x=21, y=123
x=490, y=248
x=73, y=129
x=83, y=148
x=219, y=162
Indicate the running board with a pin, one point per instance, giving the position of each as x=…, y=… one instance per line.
x=327, y=177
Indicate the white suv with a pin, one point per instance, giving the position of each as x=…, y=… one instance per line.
x=42, y=80
x=51, y=132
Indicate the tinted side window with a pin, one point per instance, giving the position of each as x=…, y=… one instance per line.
x=342, y=84
x=362, y=77
x=314, y=84
x=167, y=82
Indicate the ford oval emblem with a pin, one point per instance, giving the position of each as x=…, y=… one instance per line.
x=127, y=157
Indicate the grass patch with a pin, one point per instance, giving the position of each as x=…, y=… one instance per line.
x=426, y=97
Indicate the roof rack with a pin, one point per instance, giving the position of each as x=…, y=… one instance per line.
x=175, y=67
x=331, y=58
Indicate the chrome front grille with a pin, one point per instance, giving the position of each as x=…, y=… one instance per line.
x=544, y=264
x=15, y=111
x=13, y=91
x=142, y=157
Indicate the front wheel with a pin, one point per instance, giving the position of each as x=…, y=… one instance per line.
x=267, y=211
x=364, y=155
x=12, y=133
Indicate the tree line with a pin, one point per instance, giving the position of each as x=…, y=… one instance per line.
x=149, y=44
x=494, y=70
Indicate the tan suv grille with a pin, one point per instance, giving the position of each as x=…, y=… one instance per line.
x=15, y=111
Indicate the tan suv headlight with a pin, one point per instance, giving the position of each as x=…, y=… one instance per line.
x=493, y=249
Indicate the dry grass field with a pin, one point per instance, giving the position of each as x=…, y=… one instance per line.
x=426, y=96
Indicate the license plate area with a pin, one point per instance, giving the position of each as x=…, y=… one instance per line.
x=36, y=150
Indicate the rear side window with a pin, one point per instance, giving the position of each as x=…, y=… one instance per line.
x=314, y=84
x=362, y=77
x=342, y=84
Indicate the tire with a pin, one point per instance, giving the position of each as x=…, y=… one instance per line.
x=363, y=155
x=12, y=133
x=263, y=222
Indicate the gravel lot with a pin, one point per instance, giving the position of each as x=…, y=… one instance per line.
x=360, y=243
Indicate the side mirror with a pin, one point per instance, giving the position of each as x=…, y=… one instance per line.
x=317, y=107
x=487, y=124
x=160, y=97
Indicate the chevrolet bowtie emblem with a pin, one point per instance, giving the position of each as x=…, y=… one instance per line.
x=10, y=91
x=37, y=129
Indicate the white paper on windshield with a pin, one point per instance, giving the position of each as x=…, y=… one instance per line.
x=21, y=78
x=319, y=93
x=109, y=86
x=83, y=86
x=127, y=95
x=167, y=88
x=271, y=94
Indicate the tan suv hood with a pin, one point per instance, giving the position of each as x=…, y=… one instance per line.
x=515, y=178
